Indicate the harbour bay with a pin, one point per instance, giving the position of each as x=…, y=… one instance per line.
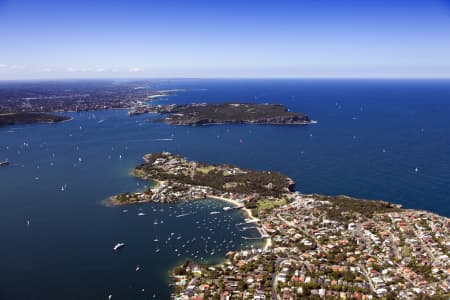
x=70, y=233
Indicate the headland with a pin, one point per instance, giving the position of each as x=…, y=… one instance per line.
x=231, y=113
x=316, y=246
x=30, y=118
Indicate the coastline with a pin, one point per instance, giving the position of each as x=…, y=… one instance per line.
x=111, y=202
x=242, y=123
x=67, y=120
x=248, y=212
x=236, y=203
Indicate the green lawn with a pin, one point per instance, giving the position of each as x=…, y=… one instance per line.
x=205, y=170
x=266, y=204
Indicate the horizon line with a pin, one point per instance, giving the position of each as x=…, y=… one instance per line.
x=232, y=78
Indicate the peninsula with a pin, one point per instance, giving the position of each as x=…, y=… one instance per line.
x=179, y=179
x=230, y=113
x=29, y=118
x=316, y=246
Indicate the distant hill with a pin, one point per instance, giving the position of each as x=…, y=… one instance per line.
x=29, y=118
x=232, y=113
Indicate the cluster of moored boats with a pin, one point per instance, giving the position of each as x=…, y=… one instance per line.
x=212, y=241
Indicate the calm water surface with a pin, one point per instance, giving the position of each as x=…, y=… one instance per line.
x=371, y=137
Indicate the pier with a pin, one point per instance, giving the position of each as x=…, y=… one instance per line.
x=262, y=232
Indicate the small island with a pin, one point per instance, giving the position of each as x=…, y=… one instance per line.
x=230, y=113
x=316, y=246
x=29, y=118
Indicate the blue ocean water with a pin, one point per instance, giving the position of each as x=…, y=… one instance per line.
x=371, y=137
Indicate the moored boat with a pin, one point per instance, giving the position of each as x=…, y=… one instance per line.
x=118, y=246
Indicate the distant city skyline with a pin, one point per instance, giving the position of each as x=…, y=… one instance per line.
x=52, y=39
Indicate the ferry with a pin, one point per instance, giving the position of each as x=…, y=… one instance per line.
x=118, y=246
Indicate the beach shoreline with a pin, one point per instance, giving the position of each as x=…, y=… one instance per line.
x=247, y=212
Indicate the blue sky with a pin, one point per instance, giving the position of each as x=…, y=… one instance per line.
x=245, y=38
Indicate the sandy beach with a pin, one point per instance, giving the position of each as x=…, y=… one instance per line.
x=112, y=201
x=247, y=212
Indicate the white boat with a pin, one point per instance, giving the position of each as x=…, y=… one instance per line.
x=138, y=268
x=214, y=212
x=227, y=208
x=156, y=240
x=141, y=214
x=118, y=246
x=183, y=215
